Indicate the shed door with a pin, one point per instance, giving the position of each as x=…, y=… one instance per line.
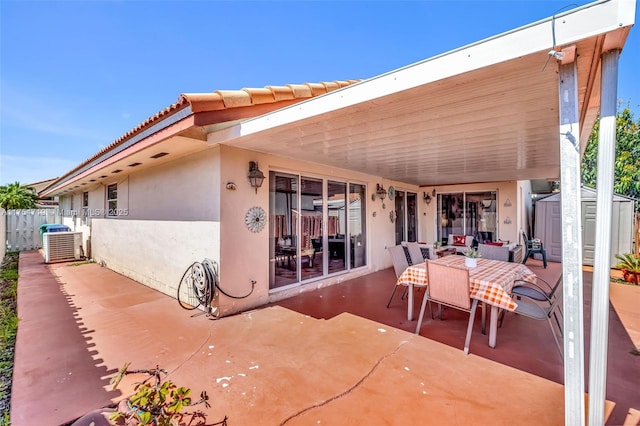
x=588, y=232
x=553, y=241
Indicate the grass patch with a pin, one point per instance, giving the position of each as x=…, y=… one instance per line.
x=8, y=329
x=86, y=262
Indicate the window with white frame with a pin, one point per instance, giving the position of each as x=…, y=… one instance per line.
x=85, y=207
x=112, y=199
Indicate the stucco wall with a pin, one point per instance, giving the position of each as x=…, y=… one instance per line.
x=245, y=255
x=154, y=252
x=181, y=212
x=185, y=189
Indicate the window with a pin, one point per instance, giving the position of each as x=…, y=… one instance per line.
x=468, y=213
x=406, y=216
x=85, y=207
x=317, y=228
x=112, y=199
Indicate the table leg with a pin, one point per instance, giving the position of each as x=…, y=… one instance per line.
x=410, y=304
x=493, y=326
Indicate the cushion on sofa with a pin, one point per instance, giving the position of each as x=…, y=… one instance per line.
x=459, y=240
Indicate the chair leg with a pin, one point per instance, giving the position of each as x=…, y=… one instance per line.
x=526, y=256
x=472, y=315
x=484, y=318
x=555, y=337
x=395, y=287
x=425, y=300
x=501, y=317
x=544, y=258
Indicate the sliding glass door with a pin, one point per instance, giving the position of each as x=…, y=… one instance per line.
x=468, y=213
x=406, y=216
x=330, y=223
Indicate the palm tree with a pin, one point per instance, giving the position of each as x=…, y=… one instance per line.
x=16, y=196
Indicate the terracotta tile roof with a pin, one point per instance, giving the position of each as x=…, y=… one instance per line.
x=225, y=100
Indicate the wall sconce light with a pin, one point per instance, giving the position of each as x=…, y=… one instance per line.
x=426, y=197
x=381, y=192
x=507, y=203
x=507, y=221
x=255, y=175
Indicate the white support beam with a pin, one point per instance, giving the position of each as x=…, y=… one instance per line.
x=574, y=411
x=601, y=267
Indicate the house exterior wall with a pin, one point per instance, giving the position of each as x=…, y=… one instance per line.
x=171, y=221
x=181, y=211
x=244, y=256
x=154, y=252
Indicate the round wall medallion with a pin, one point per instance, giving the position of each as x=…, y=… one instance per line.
x=255, y=219
x=392, y=193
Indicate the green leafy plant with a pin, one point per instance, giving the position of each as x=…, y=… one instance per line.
x=437, y=244
x=630, y=266
x=472, y=253
x=628, y=261
x=156, y=402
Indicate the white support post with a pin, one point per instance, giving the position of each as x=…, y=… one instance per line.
x=602, y=265
x=574, y=405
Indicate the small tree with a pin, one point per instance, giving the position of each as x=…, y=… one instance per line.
x=627, y=160
x=16, y=196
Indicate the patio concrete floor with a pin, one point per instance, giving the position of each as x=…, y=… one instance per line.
x=270, y=366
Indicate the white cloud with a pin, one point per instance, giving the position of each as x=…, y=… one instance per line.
x=32, y=169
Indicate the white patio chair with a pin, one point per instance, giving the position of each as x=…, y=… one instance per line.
x=400, y=263
x=450, y=286
x=415, y=253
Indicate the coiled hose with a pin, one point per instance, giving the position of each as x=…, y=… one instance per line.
x=200, y=286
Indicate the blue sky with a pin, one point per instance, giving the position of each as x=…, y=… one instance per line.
x=74, y=76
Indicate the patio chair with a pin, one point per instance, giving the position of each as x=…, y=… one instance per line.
x=533, y=307
x=415, y=254
x=449, y=285
x=494, y=252
x=533, y=247
x=400, y=263
x=539, y=291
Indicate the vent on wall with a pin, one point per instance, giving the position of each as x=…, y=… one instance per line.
x=61, y=246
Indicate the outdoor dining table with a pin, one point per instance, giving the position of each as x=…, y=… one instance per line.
x=491, y=282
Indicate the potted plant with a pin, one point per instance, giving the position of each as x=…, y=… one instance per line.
x=437, y=244
x=630, y=266
x=471, y=257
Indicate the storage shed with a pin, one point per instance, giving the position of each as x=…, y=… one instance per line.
x=548, y=225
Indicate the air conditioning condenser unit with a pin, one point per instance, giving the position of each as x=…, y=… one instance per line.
x=61, y=246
